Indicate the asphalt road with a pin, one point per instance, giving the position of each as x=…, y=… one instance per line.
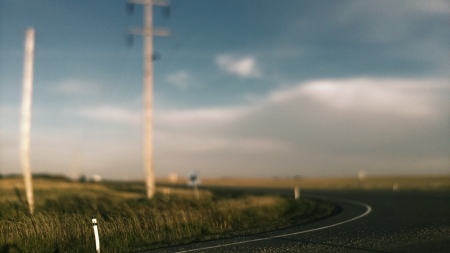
x=370, y=221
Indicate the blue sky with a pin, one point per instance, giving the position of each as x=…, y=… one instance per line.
x=247, y=88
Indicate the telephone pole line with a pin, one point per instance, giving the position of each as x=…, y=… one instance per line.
x=27, y=94
x=148, y=32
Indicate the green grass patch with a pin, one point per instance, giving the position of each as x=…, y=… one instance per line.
x=128, y=222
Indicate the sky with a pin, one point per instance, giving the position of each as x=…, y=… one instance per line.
x=242, y=88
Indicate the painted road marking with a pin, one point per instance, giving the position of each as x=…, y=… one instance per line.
x=369, y=209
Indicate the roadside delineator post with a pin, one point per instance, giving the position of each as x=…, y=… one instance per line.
x=297, y=192
x=97, y=239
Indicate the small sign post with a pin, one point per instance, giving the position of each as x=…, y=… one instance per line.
x=97, y=239
x=194, y=181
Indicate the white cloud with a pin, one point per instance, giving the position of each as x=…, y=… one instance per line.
x=204, y=143
x=383, y=125
x=437, y=6
x=201, y=116
x=317, y=128
x=113, y=114
x=182, y=79
x=72, y=86
x=405, y=97
x=204, y=131
x=244, y=67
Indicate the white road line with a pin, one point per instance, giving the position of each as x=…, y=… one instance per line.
x=369, y=209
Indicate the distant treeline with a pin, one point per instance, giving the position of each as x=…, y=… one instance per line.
x=57, y=177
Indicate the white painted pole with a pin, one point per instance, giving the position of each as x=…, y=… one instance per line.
x=148, y=33
x=97, y=239
x=296, y=192
x=148, y=102
x=26, y=116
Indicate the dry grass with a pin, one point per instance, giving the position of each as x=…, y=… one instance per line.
x=424, y=183
x=44, y=189
x=130, y=222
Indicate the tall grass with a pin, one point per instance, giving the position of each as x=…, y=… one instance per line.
x=128, y=222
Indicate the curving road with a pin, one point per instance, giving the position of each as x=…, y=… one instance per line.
x=370, y=221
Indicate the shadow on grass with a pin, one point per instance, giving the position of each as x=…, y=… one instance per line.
x=13, y=248
x=18, y=195
x=10, y=248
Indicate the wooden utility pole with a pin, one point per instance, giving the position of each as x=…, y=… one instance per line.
x=148, y=32
x=26, y=116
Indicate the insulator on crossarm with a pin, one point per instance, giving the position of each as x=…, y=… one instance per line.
x=130, y=8
x=166, y=11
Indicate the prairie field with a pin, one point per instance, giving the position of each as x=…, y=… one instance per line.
x=398, y=183
x=129, y=222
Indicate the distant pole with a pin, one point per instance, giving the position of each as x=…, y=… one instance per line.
x=26, y=116
x=148, y=32
x=395, y=187
x=197, y=194
x=362, y=174
x=296, y=192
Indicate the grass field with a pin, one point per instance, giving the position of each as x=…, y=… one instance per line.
x=129, y=222
x=399, y=183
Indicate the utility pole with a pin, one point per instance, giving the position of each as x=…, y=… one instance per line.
x=148, y=32
x=26, y=116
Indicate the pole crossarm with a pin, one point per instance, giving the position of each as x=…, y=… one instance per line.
x=163, y=3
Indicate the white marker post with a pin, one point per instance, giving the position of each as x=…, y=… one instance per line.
x=297, y=192
x=97, y=239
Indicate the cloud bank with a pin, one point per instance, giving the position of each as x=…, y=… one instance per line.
x=317, y=128
x=327, y=127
